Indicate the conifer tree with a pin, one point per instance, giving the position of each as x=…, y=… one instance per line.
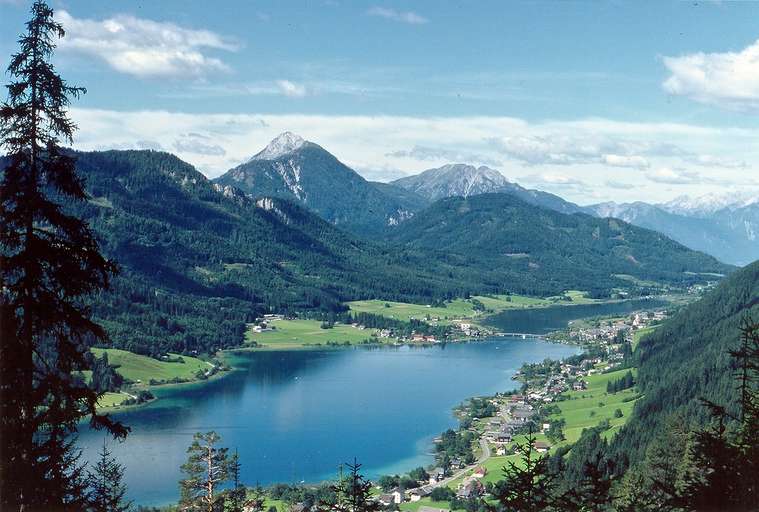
x=352, y=492
x=729, y=457
x=49, y=264
x=107, y=490
x=207, y=468
x=527, y=485
x=236, y=495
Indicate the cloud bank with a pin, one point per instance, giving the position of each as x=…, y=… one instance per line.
x=144, y=48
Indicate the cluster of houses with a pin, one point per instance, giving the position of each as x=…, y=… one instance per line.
x=609, y=334
x=266, y=323
x=512, y=417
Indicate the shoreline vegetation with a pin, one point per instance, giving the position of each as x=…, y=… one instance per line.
x=456, y=321
x=556, y=404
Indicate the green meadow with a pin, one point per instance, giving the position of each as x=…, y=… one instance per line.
x=289, y=334
x=459, y=309
x=141, y=369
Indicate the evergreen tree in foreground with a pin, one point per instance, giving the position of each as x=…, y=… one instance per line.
x=728, y=458
x=207, y=468
x=105, y=480
x=528, y=485
x=49, y=264
x=352, y=492
x=236, y=495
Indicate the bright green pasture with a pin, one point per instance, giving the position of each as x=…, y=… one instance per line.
x=582, y=409
x=301, y=333
x=135, y=367
x=638, y=335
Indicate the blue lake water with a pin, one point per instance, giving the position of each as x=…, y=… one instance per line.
x=295, y=416
x=544, y=320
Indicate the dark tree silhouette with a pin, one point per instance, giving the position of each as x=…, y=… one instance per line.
x=49, y=263
x=352, y=492
x=105, y=480
x=236, y=495
x=528, y=485
x=729, y=457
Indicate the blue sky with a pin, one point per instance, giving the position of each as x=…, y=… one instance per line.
x=594, y=101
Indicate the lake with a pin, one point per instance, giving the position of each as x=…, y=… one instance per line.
x=544, y=320
x=295, y=416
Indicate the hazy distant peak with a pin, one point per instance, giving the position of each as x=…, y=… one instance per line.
x=710, y=203
x=282, y=144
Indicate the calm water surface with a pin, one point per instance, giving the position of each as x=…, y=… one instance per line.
x=294, y=416
x=544, y=320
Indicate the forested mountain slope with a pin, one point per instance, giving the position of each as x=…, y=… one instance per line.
x=544, y=250
x=687, y=358
x=304, y=172
x=729, y=234
x=199, y=259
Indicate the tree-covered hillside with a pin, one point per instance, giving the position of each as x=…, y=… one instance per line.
x=198, y=260
x=306, y=173
x=687, y=359
x=545, y=250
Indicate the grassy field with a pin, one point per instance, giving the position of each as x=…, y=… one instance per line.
x=638, y=335
x=112, y=399
x=584, y=409
x=137, y=368
x=461, y=308
x=413, y=507
x=303, y=333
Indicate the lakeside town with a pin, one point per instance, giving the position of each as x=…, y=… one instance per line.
x=548, y=406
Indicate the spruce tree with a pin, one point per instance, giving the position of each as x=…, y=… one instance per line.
x=49, y=265
x=107, y=490
x=207, y=468
x=727, y=453
x=352, y=492
x=527, y=485
x=238, y=492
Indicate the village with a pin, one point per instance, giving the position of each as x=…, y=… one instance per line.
x=505, y=419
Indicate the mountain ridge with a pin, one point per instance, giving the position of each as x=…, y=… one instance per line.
x=467, y=180
x=292, y=168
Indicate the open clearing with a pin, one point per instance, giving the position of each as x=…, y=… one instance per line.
x=302, y=333
x=142, y=369
x=460, y=309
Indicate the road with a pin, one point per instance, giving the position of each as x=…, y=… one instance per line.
x=485, y=455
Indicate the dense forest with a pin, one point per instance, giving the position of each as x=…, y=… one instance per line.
x=198, y=260
x=687, y=359
x=539, y=250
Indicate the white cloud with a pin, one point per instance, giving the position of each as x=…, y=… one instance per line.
x=564, y=149
x=674, y=176
x=633, y=161
x=729, y=80
x=292, y=89
x=199, y=144
x=144, y=48
x=379, y=146
x=619, y=185
x=409, y=17
x=716, y=161
x=444, y=154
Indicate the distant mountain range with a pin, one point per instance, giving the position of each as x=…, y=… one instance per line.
x=728, y=230
x=538, y=246
x=199, y=259
x=292, y=168
x=466, y=180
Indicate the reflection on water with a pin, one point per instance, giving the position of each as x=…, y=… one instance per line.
x=544, y=320
x=294, y=416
